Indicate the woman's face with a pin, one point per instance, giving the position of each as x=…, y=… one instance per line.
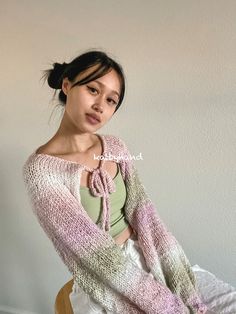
x=90, y=106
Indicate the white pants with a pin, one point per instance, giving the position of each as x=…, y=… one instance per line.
x=219, y=297
x=82, y=303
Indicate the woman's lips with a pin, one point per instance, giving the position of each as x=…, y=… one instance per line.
x=91, y=119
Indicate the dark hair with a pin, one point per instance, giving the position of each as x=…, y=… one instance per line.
x=88, y=59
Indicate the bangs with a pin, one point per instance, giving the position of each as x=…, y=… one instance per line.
x=101, y=70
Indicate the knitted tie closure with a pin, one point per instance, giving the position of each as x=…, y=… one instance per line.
x=101, y=184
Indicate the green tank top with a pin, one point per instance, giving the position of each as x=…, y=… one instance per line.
x=93, y=205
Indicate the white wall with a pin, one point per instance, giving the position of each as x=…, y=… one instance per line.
x=179, y=111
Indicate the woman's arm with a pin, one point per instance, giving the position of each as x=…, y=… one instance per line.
x=171, y=265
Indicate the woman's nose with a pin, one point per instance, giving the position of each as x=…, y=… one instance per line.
x=98, y=104
x=98, y=108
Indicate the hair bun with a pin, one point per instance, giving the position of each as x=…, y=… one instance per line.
x=56, y=74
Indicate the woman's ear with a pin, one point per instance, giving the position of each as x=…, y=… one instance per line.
x=65, y=85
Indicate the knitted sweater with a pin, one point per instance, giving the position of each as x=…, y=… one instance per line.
x=96, y=262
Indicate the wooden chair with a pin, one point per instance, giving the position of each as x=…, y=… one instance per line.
x=62, y=302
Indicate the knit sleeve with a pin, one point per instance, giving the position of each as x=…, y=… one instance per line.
x=91, y=255
x=164, y=255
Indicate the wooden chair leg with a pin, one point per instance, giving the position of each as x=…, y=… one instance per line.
x=62, y=302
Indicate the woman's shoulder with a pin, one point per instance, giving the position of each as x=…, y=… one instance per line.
x=117, y=149
x=115, y=142
x=52, y=147
x=43, y=161
x=44, y=149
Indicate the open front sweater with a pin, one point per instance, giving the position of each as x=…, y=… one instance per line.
x=96, y=262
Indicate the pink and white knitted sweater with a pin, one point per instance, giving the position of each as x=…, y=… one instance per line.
x=88, y=250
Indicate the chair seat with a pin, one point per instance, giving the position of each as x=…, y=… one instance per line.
x=62, y=302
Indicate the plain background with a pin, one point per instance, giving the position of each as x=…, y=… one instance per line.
x=179, y=112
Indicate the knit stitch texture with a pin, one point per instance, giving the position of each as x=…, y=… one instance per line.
x=91, y=254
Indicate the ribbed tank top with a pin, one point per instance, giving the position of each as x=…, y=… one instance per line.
x=93, y=205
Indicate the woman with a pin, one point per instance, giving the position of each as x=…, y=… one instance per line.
x=96, y=211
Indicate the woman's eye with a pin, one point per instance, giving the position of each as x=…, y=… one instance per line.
x=92, y=89
x=112, y=101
